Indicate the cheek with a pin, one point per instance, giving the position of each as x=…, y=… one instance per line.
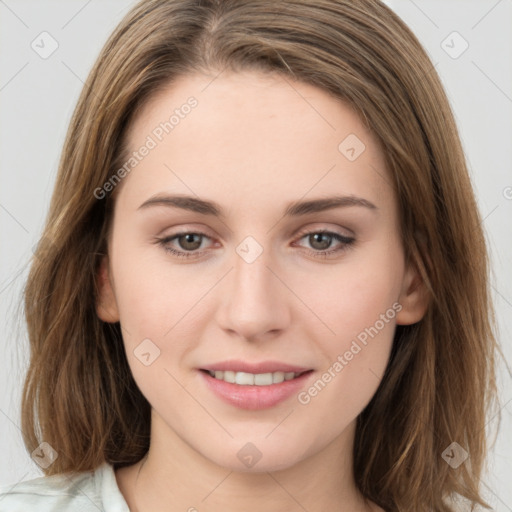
x=352, y=296
x=363, y=326
x=152, y=294
x=359, y=305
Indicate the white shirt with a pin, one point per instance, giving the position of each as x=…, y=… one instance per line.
x=89, y=491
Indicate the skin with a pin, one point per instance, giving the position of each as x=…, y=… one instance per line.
x=254, y=143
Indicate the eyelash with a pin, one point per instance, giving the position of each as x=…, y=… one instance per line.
x=347, y=243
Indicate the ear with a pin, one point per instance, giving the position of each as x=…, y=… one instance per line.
x=413, y=298
x=106, y=304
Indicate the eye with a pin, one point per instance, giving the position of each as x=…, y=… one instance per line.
x=320, y=240
x=189, y=243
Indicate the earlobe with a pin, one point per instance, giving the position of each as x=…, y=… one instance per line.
x=413, y=298
x=106, y=304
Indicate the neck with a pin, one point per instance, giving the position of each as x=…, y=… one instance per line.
x=175, y=477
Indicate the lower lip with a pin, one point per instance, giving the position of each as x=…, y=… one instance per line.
x=255, y=397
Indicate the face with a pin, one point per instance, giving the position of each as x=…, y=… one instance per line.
x=252, y=279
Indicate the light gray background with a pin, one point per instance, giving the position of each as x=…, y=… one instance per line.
x=38, y=96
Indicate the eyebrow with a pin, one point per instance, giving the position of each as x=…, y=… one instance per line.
x=294, y=209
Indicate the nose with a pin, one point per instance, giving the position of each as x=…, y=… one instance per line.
x=256, y=302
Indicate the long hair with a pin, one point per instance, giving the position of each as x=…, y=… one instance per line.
x=79, y=394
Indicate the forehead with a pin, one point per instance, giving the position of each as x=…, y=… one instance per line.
x=265, y=134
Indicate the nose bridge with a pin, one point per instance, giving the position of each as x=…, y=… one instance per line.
x=256, y=300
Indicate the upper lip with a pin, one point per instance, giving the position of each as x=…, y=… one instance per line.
x=256, y=368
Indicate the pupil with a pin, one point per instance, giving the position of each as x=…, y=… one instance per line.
x=318, y=237
x=323, y=239
x=189, y=239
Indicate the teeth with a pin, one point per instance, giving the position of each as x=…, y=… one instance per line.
x=251, y=379
x=228, y=376
x=245, y=379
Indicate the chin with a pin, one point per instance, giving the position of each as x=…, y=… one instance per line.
x=258, y=457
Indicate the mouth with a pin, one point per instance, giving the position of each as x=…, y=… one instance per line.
x=255, y=386
x=254, y=379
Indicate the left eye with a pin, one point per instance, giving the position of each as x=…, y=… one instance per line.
x=190, y=242
x=324, y=240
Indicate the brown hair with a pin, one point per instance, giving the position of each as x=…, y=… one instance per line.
x=79, y=393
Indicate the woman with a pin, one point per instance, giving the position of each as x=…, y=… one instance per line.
x=326, y=339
